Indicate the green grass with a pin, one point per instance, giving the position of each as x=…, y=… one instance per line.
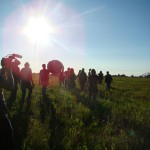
x=119, y=119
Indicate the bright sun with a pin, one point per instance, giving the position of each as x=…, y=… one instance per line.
x=38, y=30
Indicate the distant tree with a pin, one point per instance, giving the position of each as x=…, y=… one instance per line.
x=140, y=76
x=123, y=75
x=146, y=75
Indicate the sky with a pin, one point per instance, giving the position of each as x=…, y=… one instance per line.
x=107, y=35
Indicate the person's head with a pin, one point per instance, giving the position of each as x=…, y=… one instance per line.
x=27, y=65
x=44, y=66
x=107, y=72
x=100, y=71
x=82, y=69
x=93, y=71
x=71, y=70
x=16, y=62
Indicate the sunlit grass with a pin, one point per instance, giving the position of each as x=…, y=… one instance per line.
x=118, y=119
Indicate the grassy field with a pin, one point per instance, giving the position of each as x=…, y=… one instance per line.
x=119, y=119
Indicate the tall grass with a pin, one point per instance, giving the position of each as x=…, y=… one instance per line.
x=118, y=119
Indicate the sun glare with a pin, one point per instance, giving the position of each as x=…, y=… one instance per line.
x=38, y=30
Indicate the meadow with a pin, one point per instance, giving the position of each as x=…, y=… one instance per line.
x=119, y=119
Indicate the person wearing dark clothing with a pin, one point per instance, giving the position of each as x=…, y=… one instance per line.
x=61, y=77
x=6, y=131
x=67, y=74
x=82, y=80
x=79, y=73
x=89, y=73
x=72, y=78
x=26, y=83
x=44, y=79
x=16, y=76
x=100, y=77
x=108, y=80
x=92, y=85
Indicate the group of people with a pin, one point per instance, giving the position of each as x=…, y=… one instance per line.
x=92, y=80
x=67, y=78
x=11, y=76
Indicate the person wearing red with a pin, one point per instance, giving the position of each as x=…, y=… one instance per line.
x=44, y=79
x=26, y=83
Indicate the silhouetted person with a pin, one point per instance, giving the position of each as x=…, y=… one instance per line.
x=61, y=77
x=108, y=80
x=72, y=78
x=26, y=83
x=79, y=73
x=100, y=77
x=16, y=76
x=67, y=73
x=6, y=132
x=92, y=84
x=89, y=73
x=44, y=79
x=82, y=79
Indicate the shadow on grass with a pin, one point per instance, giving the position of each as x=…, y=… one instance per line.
x=20, y=122
x=98, y=109
x=56, y=124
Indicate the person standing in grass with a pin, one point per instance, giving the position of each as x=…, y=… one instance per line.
x=16, y=76
x=82, y=79
x=72, y=78
x=108, y=80
x=100, y=77
x=26, y=83
x=67, y=73
x=44, y=79
x=6, y=131
x=92, y=85
x=61, y=77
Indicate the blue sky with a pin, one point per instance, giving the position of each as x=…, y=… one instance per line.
x=111, y=35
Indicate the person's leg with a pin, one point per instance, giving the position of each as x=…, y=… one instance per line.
x=23, y=89
x=29, y=94
x=12, y=97
x=43, y=90
x=108, y=86
x=13, y=93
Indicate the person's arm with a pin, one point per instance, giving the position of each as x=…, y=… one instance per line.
x=31, y=77
x=48, y=77
x=7, y=81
